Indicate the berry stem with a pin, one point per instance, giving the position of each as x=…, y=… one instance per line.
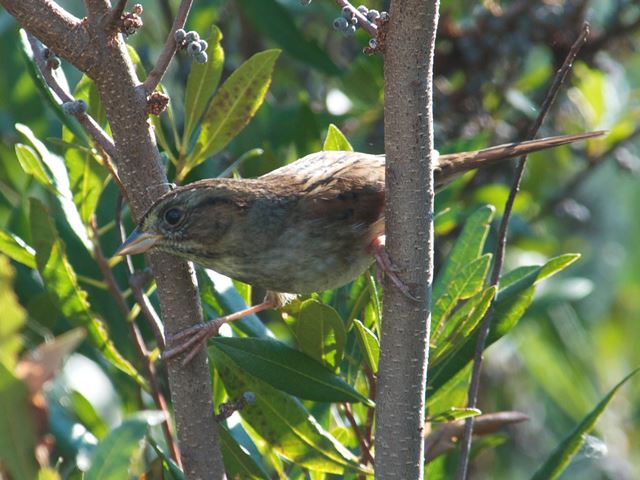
x=363, y=21
x=169, y=50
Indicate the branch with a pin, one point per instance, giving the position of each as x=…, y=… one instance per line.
x=169, y=49
x=97, y=51
x=87, y=122
x=485, y=325
x=408, y=128
x=55, y=27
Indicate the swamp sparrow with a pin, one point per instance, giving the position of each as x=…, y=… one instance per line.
x=314, y=224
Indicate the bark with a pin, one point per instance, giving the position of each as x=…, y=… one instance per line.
x=92, y=46
x=408, y=124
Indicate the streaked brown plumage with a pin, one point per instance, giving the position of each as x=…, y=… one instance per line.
x=305, y=227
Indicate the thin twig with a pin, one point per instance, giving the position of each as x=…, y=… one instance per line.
x=483, y=331
x=169, y=49
x=116, y=12
x=364, y=447
x=370, y=27
x=138, y=341
x=87, y=122
x=137, y=288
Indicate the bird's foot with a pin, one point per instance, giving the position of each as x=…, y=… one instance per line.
x=192, y=339
x=387, y=267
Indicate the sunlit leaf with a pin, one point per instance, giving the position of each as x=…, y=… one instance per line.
x=369, y=344
x=17, y=437
x=335, y=140
x=202, y=82
x=467, y=282
x=286, y=369
x=15, y=248
x=62, y=283
x=13, y=316
x=453, y=414
x=562, y=455
x=237, y=461
x=510, y=304
x=112, y=456
x=32, y=165
x=320, y=333
x=60, y=176
x=234, y=105
x=467, y=248
x=282, y=421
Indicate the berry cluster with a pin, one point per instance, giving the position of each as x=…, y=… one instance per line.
x=75, y=107
x=348, y=22
x=53, y=61
x=131, y=21
x=193, y=44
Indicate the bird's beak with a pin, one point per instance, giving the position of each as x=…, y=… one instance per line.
x=138, y=242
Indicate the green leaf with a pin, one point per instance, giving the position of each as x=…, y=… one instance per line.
x=15, y=248
x=112, y=456
x=272, y=20
x=562, y=455
x=453, y=414
x=286, y=369
x=32, y=166
x=467, y=248
x=509, y=306
x=335, y=140
x=282, y=421
x=369, y=344
x=61, y=282
x=468, y=281
x=14, y=316
x=60, y=177
x=236, y=102
x=237, y=461
x=87, y=414
x=202, y=82
x=17, y=437
x=320, y=333
x=460, y=325
x=87, y=180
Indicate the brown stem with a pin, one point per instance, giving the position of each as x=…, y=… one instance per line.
x=485, y=325
x=138, y=341
x=364, y=446
x=169, y=49
x=409, y=193
x=87, y=122
x=116, y=13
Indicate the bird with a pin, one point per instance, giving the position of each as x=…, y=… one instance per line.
x=314, y=224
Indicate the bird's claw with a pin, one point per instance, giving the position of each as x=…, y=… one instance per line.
x=389, y=269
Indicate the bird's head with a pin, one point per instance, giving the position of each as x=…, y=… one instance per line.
x=188, y=221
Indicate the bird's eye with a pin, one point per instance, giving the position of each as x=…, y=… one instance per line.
x=173, y=216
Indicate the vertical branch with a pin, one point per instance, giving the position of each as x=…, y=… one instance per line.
x=483, y=332
x=94, y=48
x=408, y=122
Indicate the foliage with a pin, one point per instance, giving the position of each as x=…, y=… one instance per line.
x=555, y=344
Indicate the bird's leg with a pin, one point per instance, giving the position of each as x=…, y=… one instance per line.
x=386, y=266
x=193, y=339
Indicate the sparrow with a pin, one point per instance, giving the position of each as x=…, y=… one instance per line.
x=314, y=224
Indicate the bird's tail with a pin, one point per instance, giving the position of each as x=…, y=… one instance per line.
x=452, y=165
